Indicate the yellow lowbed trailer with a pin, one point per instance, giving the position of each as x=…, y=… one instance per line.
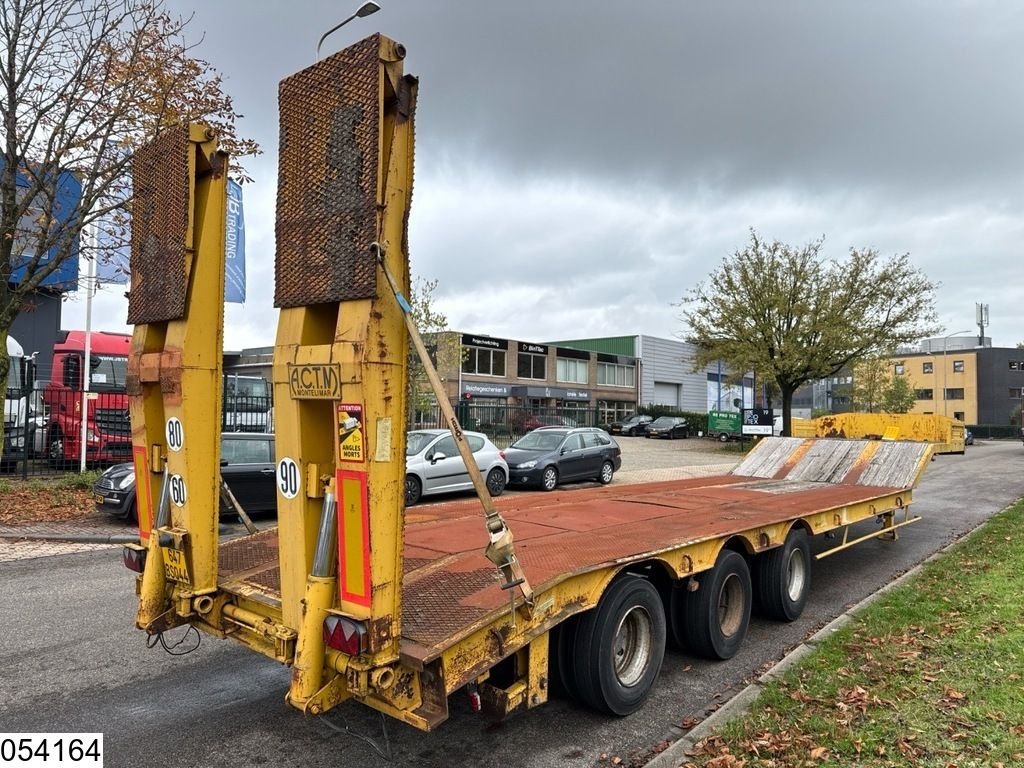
x=360, y=598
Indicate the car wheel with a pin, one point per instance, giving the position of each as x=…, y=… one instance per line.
x=549, y=480
x=723, y=438
x=413, y=490
x=495, y=482
x=607, y=471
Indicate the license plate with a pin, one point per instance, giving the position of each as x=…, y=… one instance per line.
x=174, y=566
x=98, y=499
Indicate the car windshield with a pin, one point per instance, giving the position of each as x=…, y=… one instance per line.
x=540, y=440
x=416, y=442
x=664, y=421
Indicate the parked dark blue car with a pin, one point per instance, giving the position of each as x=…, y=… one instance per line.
x=548, y=456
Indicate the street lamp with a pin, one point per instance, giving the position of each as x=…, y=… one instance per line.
x=944, y=340
x=364, y=10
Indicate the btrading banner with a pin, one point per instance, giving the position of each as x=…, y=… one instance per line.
x=234, y=247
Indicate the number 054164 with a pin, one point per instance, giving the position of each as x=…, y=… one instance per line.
x=46, y=750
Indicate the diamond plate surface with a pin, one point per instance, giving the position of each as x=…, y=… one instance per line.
x=159, y=229
x=436, y=608
x=246, y=554
x=327, y=179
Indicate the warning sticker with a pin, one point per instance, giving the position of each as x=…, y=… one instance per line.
x=350, y=432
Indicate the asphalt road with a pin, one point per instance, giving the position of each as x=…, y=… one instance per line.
x=71, y=661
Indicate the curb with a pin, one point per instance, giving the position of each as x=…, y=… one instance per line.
x=738, y=705
x=74, y=538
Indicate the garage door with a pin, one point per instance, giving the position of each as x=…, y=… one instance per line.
x=666, y=394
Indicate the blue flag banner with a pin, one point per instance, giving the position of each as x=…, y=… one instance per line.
x=234, y=247
x=113, y=251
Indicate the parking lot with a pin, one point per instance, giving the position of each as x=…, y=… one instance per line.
x=645, y=455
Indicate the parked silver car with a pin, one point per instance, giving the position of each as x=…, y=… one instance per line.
x=433, y=464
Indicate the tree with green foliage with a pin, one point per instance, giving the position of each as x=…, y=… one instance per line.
x=877, y=387
x=898, y=396
x=794, y=316
x=445, y=356
x=870, y=378
x=82, y=84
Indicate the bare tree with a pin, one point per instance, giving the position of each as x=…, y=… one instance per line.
x=793, y=316
x=82, y=84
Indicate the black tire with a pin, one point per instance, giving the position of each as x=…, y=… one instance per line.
x=560, y=653
x=413, y=490
x=496, y=481
x=723, y=438
x=55, y=449
x=549, y=479
x=712, y=620
x=783, y=578
x=620, y=646
x=607, y=473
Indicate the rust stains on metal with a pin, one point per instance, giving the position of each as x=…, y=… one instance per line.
x=379, y=633
x=327, y=200
x=160, y=229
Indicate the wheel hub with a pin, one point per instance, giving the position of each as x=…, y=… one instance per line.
x=632, y=646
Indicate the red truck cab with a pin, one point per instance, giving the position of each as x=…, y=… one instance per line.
x=108, y=431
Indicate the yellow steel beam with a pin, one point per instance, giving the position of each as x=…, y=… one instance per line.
x=175, y=364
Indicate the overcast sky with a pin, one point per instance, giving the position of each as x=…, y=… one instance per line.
x=581, y=165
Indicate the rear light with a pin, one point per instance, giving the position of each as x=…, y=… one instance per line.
x=502, y=454
x=344, y=634
x=134, y=557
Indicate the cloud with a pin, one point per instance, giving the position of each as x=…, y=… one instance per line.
x=580, y=166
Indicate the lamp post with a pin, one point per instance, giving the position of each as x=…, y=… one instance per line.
x=944, y=340
x=364, y=10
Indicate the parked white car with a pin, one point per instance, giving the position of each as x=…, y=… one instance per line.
x=433, y=464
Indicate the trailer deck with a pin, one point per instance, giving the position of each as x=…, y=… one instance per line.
x=450, y=589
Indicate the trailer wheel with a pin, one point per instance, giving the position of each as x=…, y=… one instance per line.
x=619, y=647
x=413, y=490
x=724, y=437
x=560, y=653
x=784, y=578
x=607, y=472
x=712, y=621
x=549, y=480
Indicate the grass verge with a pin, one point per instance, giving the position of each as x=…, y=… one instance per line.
x=931, y=674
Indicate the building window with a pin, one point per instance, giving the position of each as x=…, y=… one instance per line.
x=484, y=362
x=1015, y=393
x=532, y=366
x=958, y=366
x=924, y=394
x=958, y=415
x=898, y=369
x=926, y=367
x=1015, y=365
x=616, y=375
x=571, y=371
x=613, y=410
x=955, y=393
